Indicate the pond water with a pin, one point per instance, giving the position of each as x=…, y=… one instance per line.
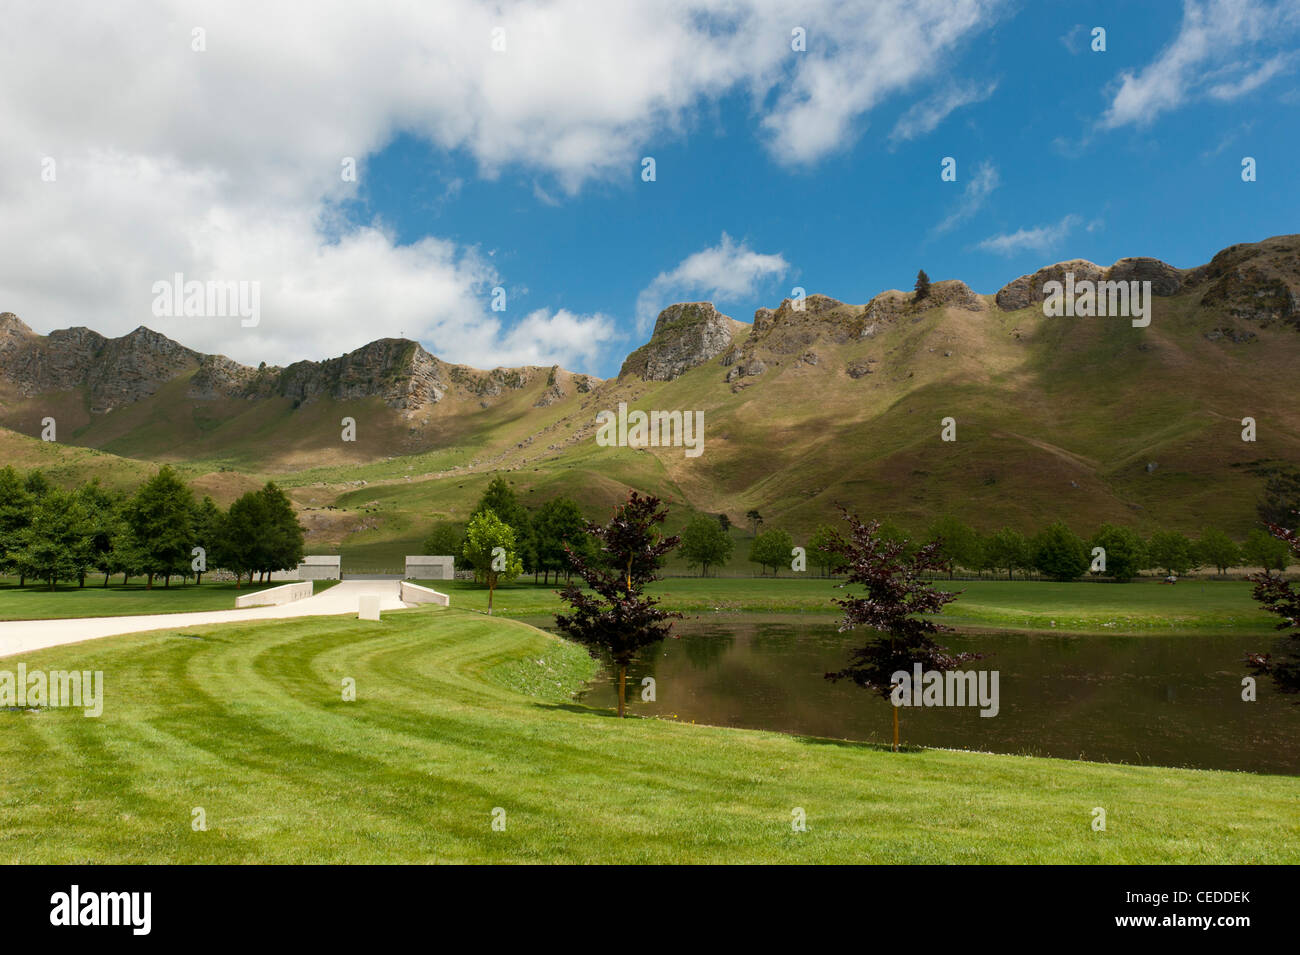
x=1168, y=701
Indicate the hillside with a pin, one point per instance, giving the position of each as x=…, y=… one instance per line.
x=1089, y=419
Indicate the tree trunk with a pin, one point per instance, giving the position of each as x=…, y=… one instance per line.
x=622, y=690
x=149, y=585
x=106, y=580
x=895, y=729
x=81, y=579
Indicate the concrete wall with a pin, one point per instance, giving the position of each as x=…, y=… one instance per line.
x=430, y=568
x=315, y=567
x=275, y=595
x=415, y=594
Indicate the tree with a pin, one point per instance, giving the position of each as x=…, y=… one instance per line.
x=1278, y=597
x=239, y=536
x=1125, y=552
x=500, y=499
x=1216, y=549
x=1169, y=551
x=771, y=549
x=445, y=540
x=1280, y=502
x=922, y=286
x=1265, y=550
x=724, y=522
x=821, y=550
x=559, y=521
x=283, y=538
x=103, y=513
x=614, y=615
x=492, y=549
x=895, y=606
x=160, y=516
x=1059, y=553
x=1008, y=550
x=15, y=514
x=207, y=533
x=958, y=543
x=705, y=544
x=54, y=546
x=755, y=520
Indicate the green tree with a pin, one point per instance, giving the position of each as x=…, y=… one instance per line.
x=501, y=500
x=1264, y=550
x=1280, y=503
x=445, y=540
x=755, y=520
x=15, y=514
x=705, y=544
x=491, y=547
x=103, y=512
x=1125, y=552
x=821, y=549
x=958, y=544
x=772, y=549
x=724, y=522
x=208, y=518
x=558, y=522
x=1169, y=551
x=922, y=286
x=1059, y=553
x=283, y=538
x=55, y=545
x=239, y=540
x=1008, y=550
x=160, y=516
x=1216, y=549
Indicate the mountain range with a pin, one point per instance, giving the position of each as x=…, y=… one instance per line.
x=813, y=403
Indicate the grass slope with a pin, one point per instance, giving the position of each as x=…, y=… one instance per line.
x=457, y=715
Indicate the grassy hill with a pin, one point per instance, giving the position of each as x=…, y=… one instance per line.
x=1087, y=419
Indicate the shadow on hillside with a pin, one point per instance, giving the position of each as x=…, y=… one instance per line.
x=583, y=710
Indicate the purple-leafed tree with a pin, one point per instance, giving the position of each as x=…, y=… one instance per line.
x=896, y=595
x=1278, y=597
x=614, y=615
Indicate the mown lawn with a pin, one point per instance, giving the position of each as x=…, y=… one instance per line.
x=1079, y=607
x=457, y=715
x=38, y=602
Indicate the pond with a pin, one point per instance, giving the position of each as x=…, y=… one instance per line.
x=1168, y=701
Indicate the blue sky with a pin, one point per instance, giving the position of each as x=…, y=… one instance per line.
x=774, y=168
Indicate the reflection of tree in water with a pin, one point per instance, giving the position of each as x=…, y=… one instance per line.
x=706, y=650
x=774, y=638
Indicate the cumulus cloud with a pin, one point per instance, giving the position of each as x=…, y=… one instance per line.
x=1224, y=49
x=725, y=272
x=1038, y=239
x=225, y=164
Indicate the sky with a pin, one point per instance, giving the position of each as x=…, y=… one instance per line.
x=499, y=157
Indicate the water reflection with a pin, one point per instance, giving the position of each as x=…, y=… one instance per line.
x=1172, y=701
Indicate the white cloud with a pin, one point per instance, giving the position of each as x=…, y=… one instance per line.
x=977, y=189
x=725, y=272
x=225, y=164
x=1038, y=239
x=1220, y=51
x=925, y=116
